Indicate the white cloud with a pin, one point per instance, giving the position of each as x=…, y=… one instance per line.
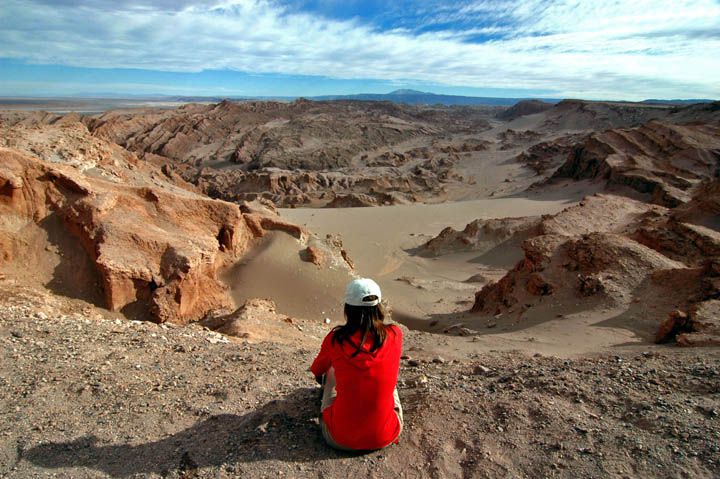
x=604, y=48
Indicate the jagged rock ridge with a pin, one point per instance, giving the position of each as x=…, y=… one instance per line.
x=663, y=160
x=523, y=108
x=155, y=247
x=617, y=251
x=299, y=152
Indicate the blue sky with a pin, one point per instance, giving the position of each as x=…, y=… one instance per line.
x=601, y=49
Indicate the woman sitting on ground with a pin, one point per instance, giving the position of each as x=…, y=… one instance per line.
x=358, y=366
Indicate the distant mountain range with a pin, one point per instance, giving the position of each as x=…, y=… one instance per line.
x=678, y=102
x=414, y=97
x=411, y=97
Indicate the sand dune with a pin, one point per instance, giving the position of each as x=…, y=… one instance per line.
x=421, y=289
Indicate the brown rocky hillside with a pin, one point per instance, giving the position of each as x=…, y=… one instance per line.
x=116, y=230
x=299, y=152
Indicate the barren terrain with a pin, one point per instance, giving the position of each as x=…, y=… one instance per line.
x=92, y=396
x=537, y=255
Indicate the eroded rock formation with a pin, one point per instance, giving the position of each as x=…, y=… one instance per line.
x=256, y=320
x=156, y=246
x=614, y=251
x=547, y=156
x=582, y=115
x=523, y=108
x=481, y=236
x=301, y=152
x=665, y=161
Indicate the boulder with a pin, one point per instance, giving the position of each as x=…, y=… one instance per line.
x=482, y=236
x=704, y=325
x=255, y=321
x=677, y=322
x=313, y=255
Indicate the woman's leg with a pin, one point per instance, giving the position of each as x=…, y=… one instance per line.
x=398, y=409
x=329, y=392
x=328, y=397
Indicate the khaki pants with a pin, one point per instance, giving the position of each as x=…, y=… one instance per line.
x=328, y=397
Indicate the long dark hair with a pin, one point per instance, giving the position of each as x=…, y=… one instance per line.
x=369, y=320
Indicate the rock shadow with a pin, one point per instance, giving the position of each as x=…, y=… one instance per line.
x=75, y=276
x=503, y=255
x=284, y=430
x=487, y=324
x=636, y=319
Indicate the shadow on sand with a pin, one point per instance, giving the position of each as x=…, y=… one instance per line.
x=283, y=430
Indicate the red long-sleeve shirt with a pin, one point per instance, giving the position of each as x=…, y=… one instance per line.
x=363, y=415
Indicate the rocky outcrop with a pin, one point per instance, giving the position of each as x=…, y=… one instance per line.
x=155, y=251
x=664, y=161
x=677, y=322
x=581, y=115
x=299, y=135
x=597, y=213
x=600, y=213
x=156, y=247
x=482, y=236
x=704, y=325
x=255, y=321
x=689, y=232
x=297, y=153
x=353, y=200
x=703, y=209
x=298, y=188
x=612, y=250
x=361, y=200
x=699, y=327
x=546, y=156
x=564, y=266
x=523, y=108
x=510, y=138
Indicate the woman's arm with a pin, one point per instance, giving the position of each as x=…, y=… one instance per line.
x=322, y=361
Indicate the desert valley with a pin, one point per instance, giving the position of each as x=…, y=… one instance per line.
x=167, y=274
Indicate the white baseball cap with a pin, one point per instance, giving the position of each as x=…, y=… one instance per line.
x=359, y=289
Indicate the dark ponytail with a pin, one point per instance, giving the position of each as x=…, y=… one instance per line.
x=366, y=319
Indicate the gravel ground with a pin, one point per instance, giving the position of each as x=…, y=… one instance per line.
x=85, y=394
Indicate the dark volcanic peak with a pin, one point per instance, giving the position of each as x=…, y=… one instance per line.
x=407, y=91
